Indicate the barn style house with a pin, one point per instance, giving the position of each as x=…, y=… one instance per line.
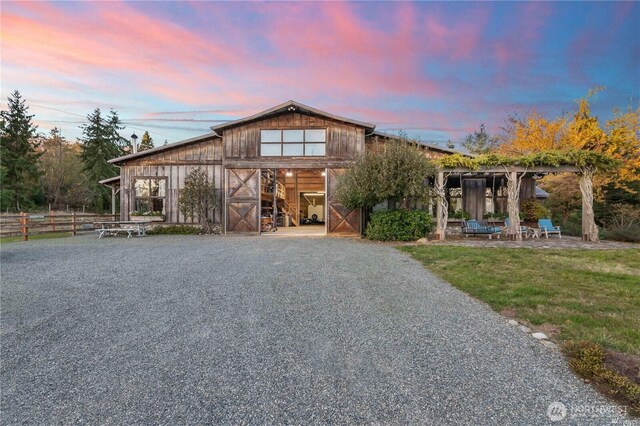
x=274, y=169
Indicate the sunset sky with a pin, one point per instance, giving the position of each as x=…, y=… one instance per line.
x=434, y=69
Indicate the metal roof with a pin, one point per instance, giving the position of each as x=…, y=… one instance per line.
x=287, y=107
x=162, y=148
x=425, y=144
x=541, y=193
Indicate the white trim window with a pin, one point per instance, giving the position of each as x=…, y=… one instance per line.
x=293, y=143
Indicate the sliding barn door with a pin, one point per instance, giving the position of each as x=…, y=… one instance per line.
x=242, y=198
x=340, y=220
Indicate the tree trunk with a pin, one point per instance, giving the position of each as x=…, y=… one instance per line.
x=589, y=227
x=442, y=208
x=513, y=205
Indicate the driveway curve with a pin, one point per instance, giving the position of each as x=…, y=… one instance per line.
x=228, y=330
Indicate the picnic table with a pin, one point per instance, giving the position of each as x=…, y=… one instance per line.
x=129, y=227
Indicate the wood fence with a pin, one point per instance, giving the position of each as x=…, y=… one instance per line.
x=26, y=224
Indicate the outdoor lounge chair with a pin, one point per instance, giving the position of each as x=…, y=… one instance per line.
x=475, y=227
x=523, y=231
x=546, y=228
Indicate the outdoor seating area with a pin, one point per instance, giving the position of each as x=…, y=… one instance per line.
x=480, y=227
x=113, y=228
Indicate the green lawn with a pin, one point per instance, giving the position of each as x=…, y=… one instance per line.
x=588, y=294
x=47, y=236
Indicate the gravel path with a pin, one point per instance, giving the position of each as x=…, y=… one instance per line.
x=220, y=330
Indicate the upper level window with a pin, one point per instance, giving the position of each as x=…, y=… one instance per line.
x=293, y=143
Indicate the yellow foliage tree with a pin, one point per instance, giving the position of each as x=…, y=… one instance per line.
x=623, y=144
x=620, y=138
x=532, y=134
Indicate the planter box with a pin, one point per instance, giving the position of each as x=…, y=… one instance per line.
x=147, y=218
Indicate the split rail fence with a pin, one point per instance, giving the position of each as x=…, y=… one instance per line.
x=27, y=224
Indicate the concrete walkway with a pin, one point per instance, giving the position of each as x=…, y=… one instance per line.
x=216, y=330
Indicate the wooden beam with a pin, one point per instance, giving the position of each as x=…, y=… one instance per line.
x=287, y=164
x=518, y=169
x=440, y=185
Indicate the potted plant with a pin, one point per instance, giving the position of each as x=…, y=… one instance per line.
x=149, y=216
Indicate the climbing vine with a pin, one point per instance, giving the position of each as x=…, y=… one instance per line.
x=553, y=158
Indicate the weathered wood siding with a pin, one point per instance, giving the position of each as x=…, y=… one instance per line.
x=344, y=141
x=473, y=197
x=174, y=165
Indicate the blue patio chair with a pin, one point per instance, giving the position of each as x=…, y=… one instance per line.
x=546, y=228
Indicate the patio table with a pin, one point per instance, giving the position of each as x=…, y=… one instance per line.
x=127, y=226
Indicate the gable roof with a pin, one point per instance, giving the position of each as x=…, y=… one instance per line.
x=291, y=106
x=162, y=148
x=432, y=147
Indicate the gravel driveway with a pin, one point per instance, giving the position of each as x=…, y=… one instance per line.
x=219, y=330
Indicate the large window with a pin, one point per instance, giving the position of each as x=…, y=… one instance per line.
x=293, y=143
x=150, y=195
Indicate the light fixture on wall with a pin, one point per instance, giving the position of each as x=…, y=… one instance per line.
x=289, y=173
x=323, y=173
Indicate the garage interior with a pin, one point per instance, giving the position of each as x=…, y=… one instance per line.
x=293, y=202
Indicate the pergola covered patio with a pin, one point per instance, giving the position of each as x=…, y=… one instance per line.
x=491, y=177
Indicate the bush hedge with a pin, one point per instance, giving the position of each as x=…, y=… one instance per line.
x=399, y=225
x=533, y=210
x=175, y=230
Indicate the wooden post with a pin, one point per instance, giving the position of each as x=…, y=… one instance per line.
x=73, y=222
x=513, y=203
x=113, y=201
x=439, y=187
x=24, y=220
x=52, y=221
x=589, y=227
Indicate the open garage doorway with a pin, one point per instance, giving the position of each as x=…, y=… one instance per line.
x=293, y=202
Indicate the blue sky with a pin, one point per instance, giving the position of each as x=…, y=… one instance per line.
x=434, y=69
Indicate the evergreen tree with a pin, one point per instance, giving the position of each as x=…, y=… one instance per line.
x=147, y=142
x=19, y=155
x=101, y=143
x=479, y=142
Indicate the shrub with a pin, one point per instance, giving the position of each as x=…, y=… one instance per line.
x=399, y=225
x=532, y=210
x=623, y=223
x=587, y=360
x=460, y=214
x=175, y=230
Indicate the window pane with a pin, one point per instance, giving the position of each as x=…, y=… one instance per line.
x=158, y=204
x=143, y=205
x=313, y=149
x=292, y=136
x=162, y=183
x=270, y=149
x=292, y=149
x=153, y=187
x=142, y=187
x=317, y=135
x=270, y=136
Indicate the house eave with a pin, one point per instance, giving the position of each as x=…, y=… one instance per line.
x=158, y=149
x=291, y=106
